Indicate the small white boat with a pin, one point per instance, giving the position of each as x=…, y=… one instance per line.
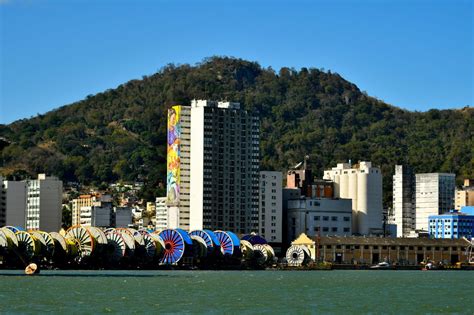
x=381, y=265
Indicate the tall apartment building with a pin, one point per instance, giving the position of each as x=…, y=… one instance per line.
x=43, y=203
x=270, y=206
x=403, y=215
x=465, y=195
x=78, y=204
x=15, y=202
x=363, y=184
x=161, y=213
x=434, y=195
x=93, y=210
x=213, y=167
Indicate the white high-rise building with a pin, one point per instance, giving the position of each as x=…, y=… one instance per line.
x=404, y=214
x=43, y=204
x=434, y=195
x=161, y=213
x=270, y=206
x=213, y=167
x=363, y=184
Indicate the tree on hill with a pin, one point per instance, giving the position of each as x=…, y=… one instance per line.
x=120, y=134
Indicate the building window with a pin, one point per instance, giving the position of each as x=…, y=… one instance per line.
x=316, y=218
x=325, y=218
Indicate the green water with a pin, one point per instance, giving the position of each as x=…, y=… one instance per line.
x=236, y=292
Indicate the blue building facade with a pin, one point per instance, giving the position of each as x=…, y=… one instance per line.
x=453, y=224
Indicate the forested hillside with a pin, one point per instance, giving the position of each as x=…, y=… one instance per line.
x=120, y=134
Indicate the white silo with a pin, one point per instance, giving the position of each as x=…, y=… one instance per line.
x=344, y=186
x=374, y=199
x=354, y=195
x=337, y=184
x=362, y=203
x=362, y=184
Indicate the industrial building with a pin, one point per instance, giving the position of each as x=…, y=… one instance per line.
x=434, y=194
x=453, y=224
x=371, y=250
x=309, y=186
x=213, y=167
x=363, y=184
x=319, y=216
x=270, y=206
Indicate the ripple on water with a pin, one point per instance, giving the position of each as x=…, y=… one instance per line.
x=238, y=291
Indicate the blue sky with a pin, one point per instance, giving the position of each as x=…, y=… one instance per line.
x=413, y=54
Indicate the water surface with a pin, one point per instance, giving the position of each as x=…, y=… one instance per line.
x=234, y=292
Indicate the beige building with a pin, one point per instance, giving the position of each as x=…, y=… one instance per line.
x=371, y=250
x=77, y=204
x=465, y=195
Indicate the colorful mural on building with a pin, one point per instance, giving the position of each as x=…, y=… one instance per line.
x=173, y=156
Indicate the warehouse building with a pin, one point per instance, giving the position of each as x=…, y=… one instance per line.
x=372, y=250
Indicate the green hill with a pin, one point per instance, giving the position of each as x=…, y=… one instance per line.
x=120, y=134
